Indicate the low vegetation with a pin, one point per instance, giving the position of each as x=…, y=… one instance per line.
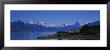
x=85, y=33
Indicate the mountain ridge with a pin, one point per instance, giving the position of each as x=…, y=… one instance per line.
x=30, y=26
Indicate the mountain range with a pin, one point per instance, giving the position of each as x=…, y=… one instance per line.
x=31, y=26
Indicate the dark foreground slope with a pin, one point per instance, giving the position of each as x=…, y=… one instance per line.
x=87, y=32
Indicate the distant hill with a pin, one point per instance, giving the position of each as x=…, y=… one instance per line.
x=94, y=23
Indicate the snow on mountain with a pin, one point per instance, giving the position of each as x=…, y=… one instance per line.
x=41, y=23
x=49, y=25
x=29, y=22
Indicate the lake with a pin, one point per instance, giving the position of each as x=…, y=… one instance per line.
x=29, y=35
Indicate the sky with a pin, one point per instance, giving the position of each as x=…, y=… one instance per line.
x=56, y=17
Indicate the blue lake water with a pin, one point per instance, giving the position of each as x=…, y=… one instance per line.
x=29, y=35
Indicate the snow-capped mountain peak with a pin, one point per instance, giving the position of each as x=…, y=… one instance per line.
x=77, y=23
x=51, y=25
x=29, y=22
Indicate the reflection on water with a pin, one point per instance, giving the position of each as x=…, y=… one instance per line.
x=28, y=35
